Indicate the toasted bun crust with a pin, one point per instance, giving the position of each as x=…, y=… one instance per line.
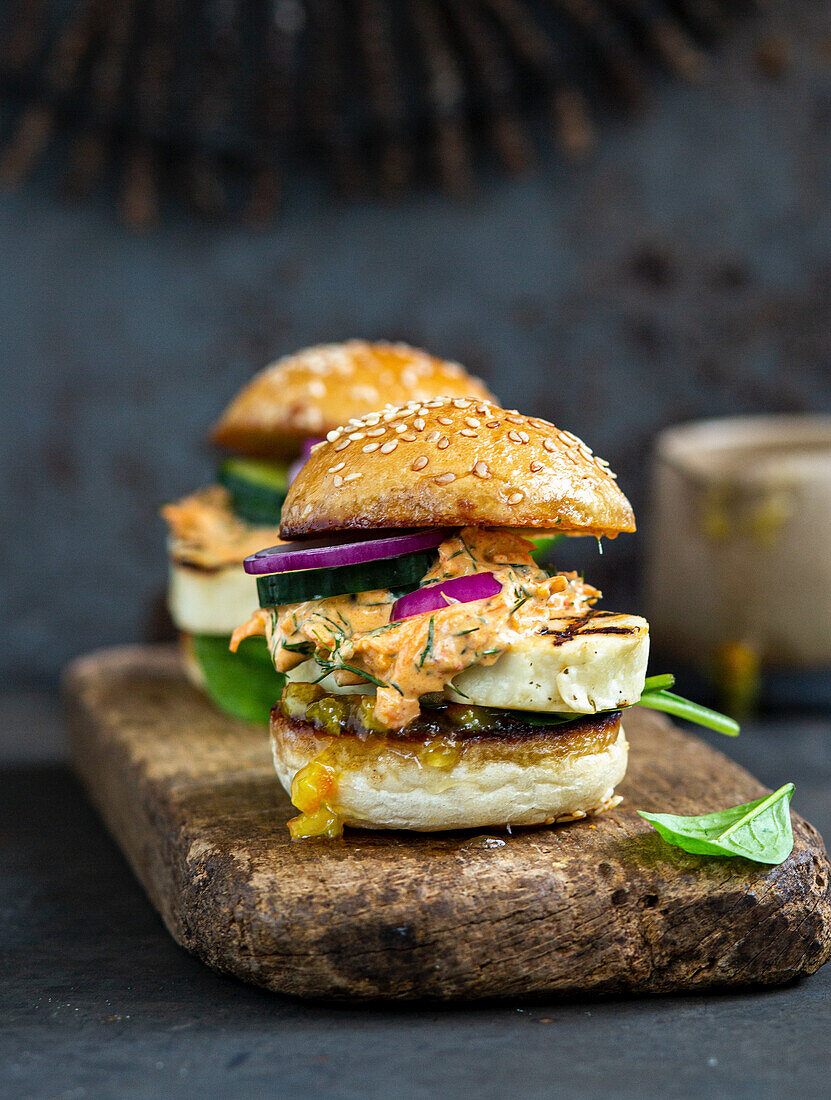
x=386, y=783
x=317, y=389
x=453, y=462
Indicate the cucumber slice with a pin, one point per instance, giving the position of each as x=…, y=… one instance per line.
x=257, y=489
x=402, y=573
x=244, y=684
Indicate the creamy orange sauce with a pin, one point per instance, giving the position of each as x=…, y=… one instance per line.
x=204, y=531
x=415, y=656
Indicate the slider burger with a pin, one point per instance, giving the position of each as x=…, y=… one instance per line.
x=437, y=678
x=270, y=428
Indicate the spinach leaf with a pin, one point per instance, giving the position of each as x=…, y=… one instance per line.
x=655, y=696
x=244, y=684
x=759, y=830
x=670, y=703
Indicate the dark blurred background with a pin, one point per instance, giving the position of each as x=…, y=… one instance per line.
x=682, y=270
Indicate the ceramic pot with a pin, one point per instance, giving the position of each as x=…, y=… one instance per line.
x=738, y=574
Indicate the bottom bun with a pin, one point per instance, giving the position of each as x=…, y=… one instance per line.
x=535, y=777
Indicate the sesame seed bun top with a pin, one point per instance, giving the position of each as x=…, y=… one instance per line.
x=450, y=462
x=315, y=390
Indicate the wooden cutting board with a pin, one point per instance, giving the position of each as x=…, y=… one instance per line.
x=595, y=907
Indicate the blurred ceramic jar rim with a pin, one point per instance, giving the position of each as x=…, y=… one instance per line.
x=738, y=540
x=777, y=445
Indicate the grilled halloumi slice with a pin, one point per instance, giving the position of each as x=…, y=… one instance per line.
x=210, y=601
x=582, y=664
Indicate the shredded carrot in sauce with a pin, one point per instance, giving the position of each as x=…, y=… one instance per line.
x=421, y=654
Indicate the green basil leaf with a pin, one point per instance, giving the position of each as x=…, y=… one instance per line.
x=759, y=830
x=543, y=545
x=244, y=684
x=659, y=683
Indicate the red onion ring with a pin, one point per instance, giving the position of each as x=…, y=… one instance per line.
x=477, y=586
x=334, y=551
x=300, y=462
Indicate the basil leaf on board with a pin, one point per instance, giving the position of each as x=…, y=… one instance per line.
x=244, y=684
x=759, y=830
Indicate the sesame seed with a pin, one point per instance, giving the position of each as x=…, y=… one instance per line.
x=514, y=436
x=515, y=498
x=352, y=477
x=372, y=418
x=549, y=444
x=420, y=462
x=334, y=469
x=338, y=480
x=471, y=422
x=435, y=403
x=445, y=479
x=409, y=437
x=469, y=432
x=343, y=443
x=419, y=424
x=369, y=447
x=400, y=428
x=389, y=446
x=481, y=469
x=491, y=423
x=444, y=420
x=355, y=436
x=431, y=437
x=461, y=402
x=524, y=436
x=333, y=435
x=443, y=442
x=514, y=419
x=535, y=467
x=377, y=431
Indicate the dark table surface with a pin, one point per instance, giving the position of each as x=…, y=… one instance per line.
x=97, y=1000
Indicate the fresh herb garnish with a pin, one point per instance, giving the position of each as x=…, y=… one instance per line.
x=428, y=648
x=469, y=551
x=341, y=666
x=759, y=830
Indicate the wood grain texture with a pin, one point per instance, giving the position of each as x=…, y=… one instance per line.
x=595, y=907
